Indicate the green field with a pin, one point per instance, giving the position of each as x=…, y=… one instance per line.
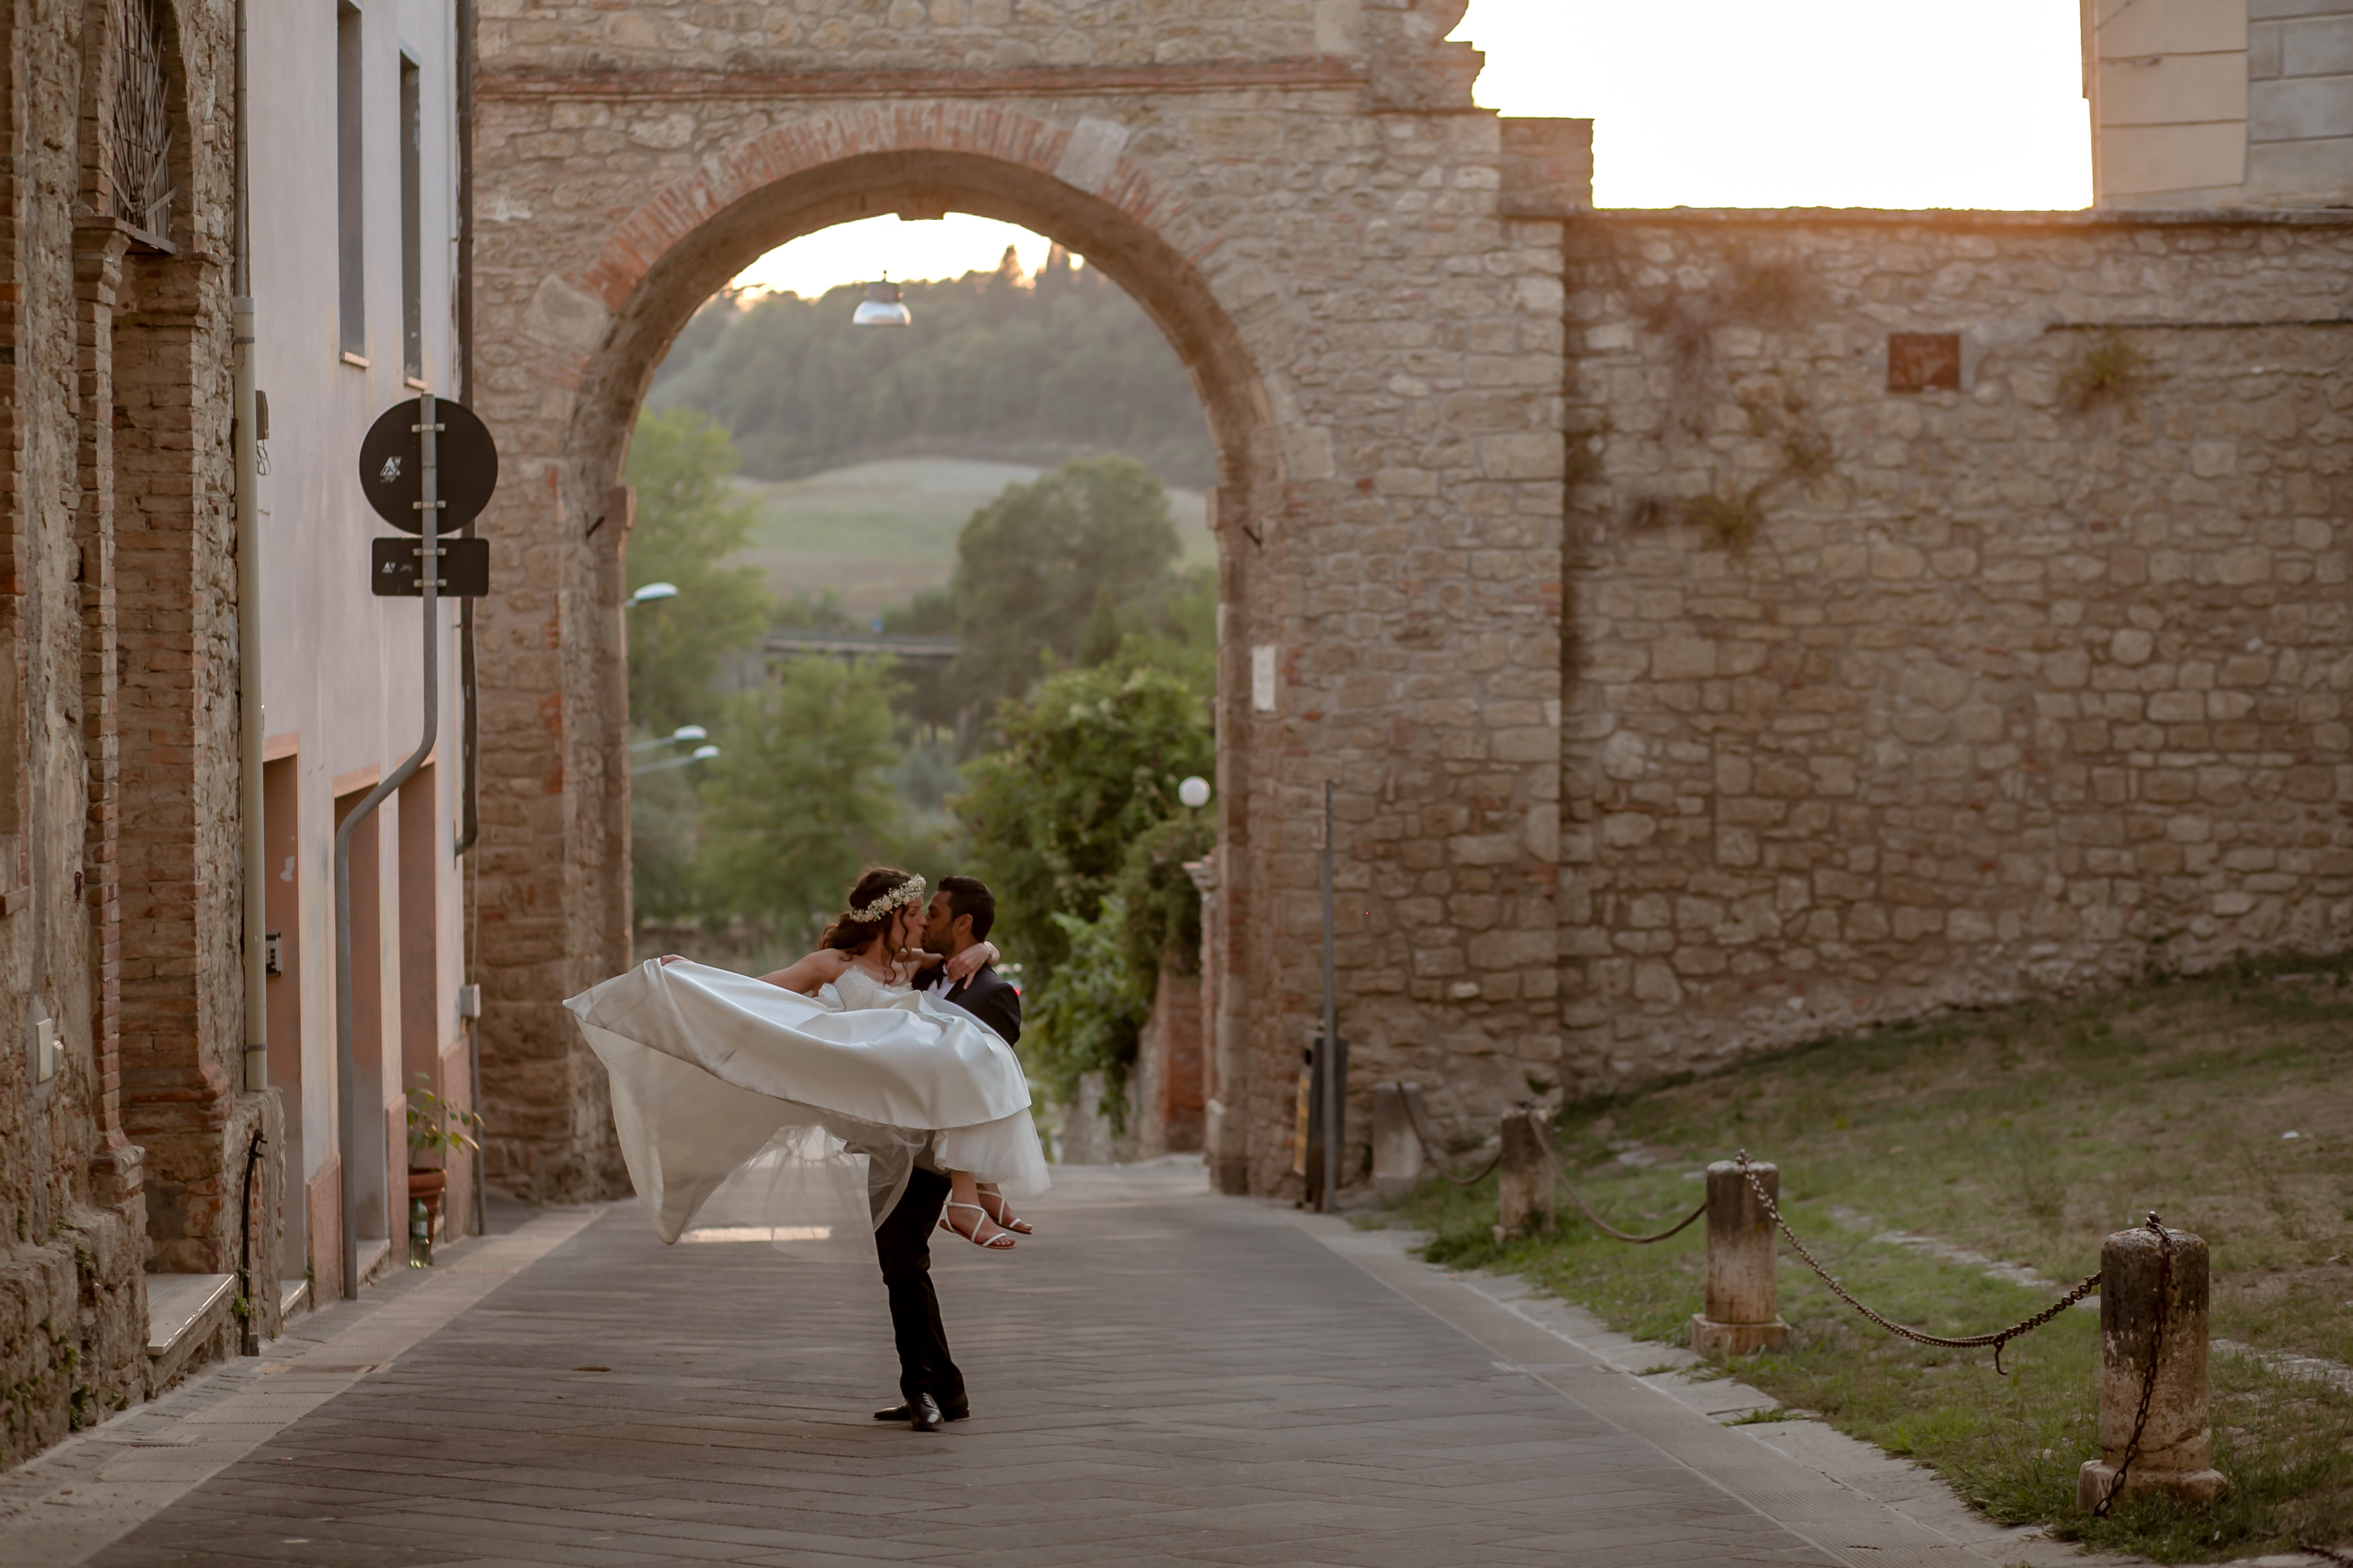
x=876, y=533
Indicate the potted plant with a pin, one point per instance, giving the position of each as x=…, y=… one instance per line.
x=436, y=1129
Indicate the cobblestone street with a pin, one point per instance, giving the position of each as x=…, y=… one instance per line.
x=1160, y=1376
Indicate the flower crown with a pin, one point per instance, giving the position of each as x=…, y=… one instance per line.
x=910, y=891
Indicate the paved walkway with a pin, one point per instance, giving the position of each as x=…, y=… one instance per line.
x=1160, y=1377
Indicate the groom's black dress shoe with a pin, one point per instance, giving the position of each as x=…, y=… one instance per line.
x=902, y=1413
x=923, y=1414
x=909, y=1413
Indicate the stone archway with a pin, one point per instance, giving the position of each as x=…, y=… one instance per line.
x=1324, y=229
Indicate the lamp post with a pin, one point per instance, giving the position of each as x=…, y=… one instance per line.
x=683, y=734
x=700, y=755
x=651, y=593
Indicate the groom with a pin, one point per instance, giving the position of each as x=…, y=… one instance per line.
x=960, y=915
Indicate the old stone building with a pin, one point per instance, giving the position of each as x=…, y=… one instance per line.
x=1718, y=628
x=1363, y=274
x=125, y=1122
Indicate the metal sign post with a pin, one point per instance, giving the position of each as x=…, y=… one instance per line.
x=1331, y=1054
x=400, y=472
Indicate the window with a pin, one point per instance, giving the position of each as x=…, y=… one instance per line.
x=348, y=227
x=412, y=242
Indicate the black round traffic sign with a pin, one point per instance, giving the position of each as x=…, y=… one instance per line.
x=466, y=463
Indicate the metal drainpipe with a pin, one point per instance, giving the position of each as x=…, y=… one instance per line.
x=429, y=574
x=469, y=740
x=250, y=719
x=469, y=824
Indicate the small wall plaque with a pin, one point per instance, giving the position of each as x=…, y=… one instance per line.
x=1923, y=362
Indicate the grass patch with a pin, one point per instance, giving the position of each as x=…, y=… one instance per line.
x=2026, y=1134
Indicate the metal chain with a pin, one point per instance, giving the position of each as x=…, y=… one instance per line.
x=1413, y=1119
x=1998, y=1340
x=1544, y=1141
x=2148, y=1383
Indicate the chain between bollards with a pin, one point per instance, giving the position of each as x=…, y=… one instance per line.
x=1998, y=1340
x=2107, y=1502
x=1544, y=1141
x=1413, y=1119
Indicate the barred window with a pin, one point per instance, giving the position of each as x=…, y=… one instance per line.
x=140, y=150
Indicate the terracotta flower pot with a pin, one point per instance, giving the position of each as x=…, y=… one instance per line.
x=428, y=1182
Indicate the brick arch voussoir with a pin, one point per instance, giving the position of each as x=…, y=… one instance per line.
x=670, y=217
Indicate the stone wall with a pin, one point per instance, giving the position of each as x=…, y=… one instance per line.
x=118, y=825
x=1365, y=281
x=1881, y=700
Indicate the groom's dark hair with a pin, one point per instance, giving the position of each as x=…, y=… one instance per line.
x=970, y=895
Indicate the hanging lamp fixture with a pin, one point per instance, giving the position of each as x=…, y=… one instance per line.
x=882, y=307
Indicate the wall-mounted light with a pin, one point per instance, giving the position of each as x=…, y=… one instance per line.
x=1194, y=792
x=652, y=592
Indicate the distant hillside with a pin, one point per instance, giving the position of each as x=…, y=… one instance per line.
x=996, y=367
x=876, y=534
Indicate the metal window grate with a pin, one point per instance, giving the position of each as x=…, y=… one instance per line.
x=140, y=153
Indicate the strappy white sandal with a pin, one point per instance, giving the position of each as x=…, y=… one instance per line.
x=1004, y=1217
x=1001, y=1242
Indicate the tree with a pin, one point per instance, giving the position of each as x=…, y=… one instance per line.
x=1089, y=764
x=994, y=365
x=1091, y=1009
x=1044, y=563
x=798, y=800
x=688, y=521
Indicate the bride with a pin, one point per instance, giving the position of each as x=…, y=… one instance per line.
x=791, y=1078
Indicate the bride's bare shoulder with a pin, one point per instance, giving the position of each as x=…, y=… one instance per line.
x=806, y=975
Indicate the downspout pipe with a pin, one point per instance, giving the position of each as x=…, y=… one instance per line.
x=428, y=576
x=250, y=720
x=470, y=735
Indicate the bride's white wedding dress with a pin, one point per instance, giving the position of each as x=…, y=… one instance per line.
x=800, y=1106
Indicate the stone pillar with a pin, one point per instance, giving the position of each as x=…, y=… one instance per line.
x=1397, y=1151
x=2135, y=1275
x=1743, y=1316
x=1524, y=1178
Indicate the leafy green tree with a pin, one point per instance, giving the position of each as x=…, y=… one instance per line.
x=1091, y=1011
x=799, y=798
x=688, y=522
x=1088, y=1015
x=1046, y=565
x=1089, y=764
x=994, y=365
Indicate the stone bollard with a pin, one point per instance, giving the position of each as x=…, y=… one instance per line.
x=2174, y=1444
x=1397, y=1151
x=1743, y=1316
x=1524, y=1178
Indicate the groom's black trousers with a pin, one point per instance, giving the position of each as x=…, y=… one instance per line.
x=903, y=1242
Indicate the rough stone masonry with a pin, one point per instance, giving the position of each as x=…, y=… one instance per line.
x=1954, y=604
x=1302, y=194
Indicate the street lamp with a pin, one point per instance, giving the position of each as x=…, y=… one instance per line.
x=1194, y=792
x=683, y=732
x=882, y=307
x=652, y=592
x=700, y=755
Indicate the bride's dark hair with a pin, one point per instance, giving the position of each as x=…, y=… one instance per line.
x=849, y=934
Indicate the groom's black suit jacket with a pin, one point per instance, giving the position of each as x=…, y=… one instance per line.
x=988, y=997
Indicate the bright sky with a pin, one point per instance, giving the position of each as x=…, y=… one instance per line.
x=1884, y=104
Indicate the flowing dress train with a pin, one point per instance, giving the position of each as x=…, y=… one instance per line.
x=796, y=1104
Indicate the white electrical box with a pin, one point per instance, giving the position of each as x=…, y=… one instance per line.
x=47, y=1049
x=470, y=1001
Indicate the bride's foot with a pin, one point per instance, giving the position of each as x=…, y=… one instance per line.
x=993, y=1205
x=982, y=1232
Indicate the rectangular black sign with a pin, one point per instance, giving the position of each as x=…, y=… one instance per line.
x=465, y=569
